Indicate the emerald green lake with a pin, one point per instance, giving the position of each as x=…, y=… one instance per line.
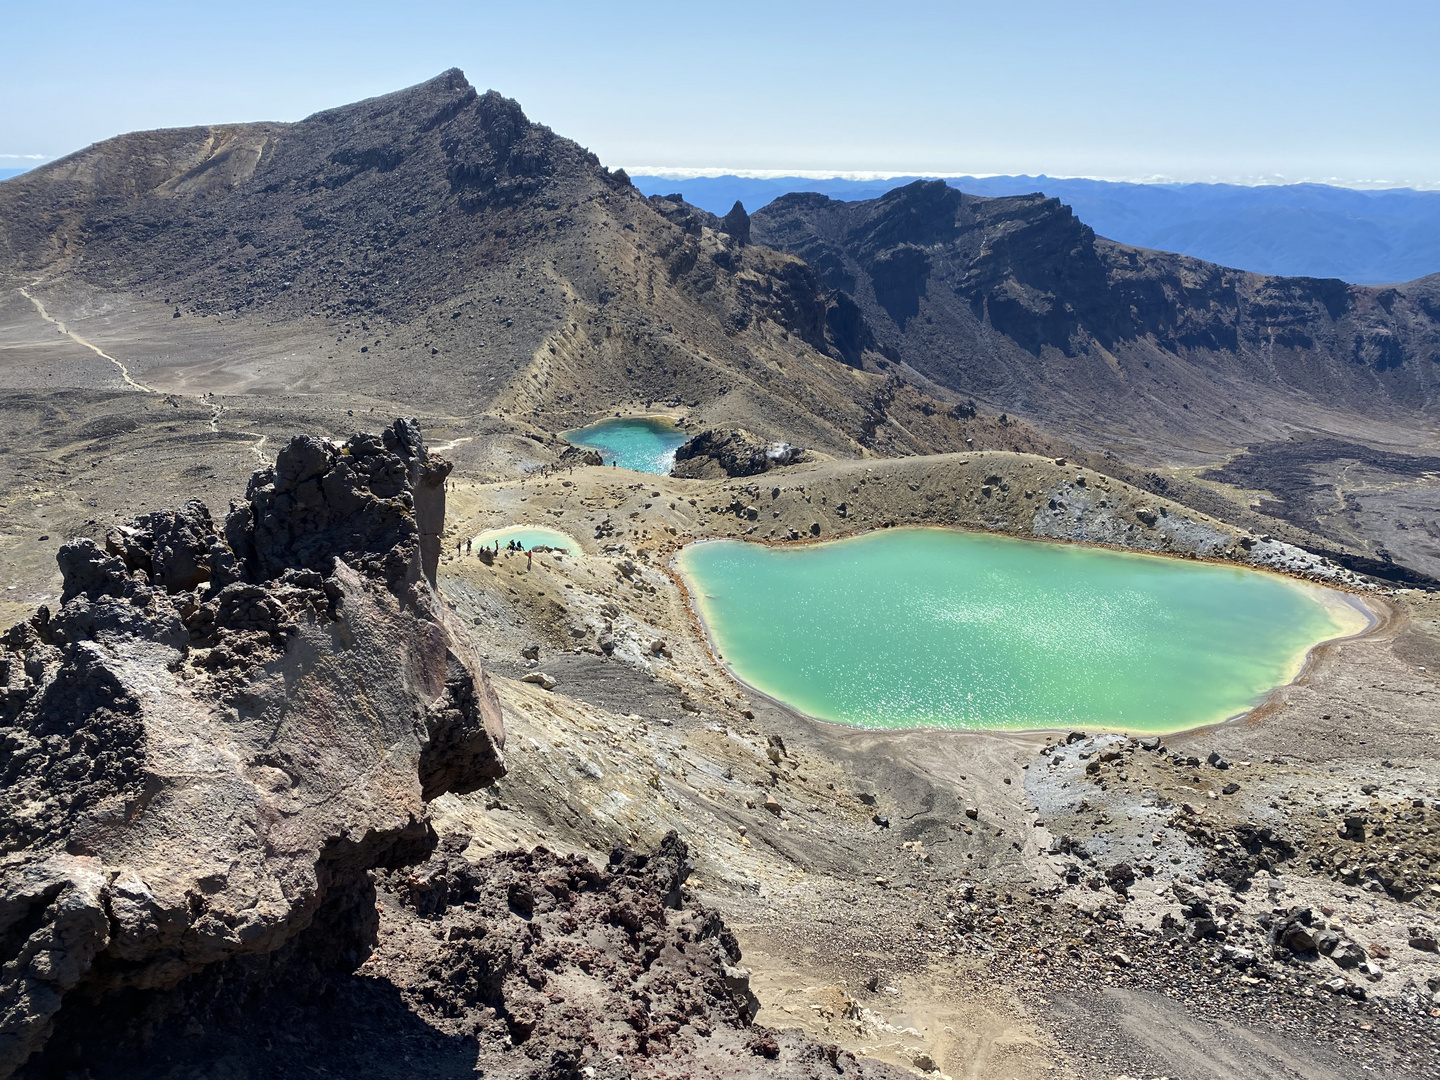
x=930, y=627
x=642, y=443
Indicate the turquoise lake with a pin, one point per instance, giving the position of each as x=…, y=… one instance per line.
x=645, y=443
x=529, y=536
x=931, y=627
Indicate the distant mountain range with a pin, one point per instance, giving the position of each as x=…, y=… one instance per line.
x=1292, y=230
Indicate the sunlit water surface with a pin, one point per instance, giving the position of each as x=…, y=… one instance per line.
x=645, y=444
x=933, y=627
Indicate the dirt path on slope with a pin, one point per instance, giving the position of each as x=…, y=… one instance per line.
x=124, y=371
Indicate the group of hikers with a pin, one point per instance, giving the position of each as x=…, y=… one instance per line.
x=464, y=547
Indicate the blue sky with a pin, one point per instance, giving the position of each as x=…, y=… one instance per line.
x=1319, y=90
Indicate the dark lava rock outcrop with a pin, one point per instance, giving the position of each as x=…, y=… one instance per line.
x=731, y=452
x=226, y=727
x=1017, y=301
x=528, y=965
x=617, y=970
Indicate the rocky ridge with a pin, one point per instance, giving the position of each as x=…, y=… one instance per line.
x=438, y=232
x=1018, y=302
x=223, y=727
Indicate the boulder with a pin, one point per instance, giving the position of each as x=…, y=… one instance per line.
x=1197, y=929
x=1423, y=938
x=1348, y=955
x=1238, y=955
x=217, y=732
x=1298, y=938
x=544, y=681
x=731, y=452
x=1120, y=877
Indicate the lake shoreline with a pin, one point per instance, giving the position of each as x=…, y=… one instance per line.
x=1367, y=605
x=610, y=436
x=507, y=532
x=979, y=530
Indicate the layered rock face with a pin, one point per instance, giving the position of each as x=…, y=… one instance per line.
x=1017, y=301
x=225, y=727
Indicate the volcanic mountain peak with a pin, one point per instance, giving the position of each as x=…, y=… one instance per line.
x=344, y=189
x=437, y=244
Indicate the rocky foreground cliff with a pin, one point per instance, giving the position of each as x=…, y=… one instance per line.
x=217, y=760
x=225, y=726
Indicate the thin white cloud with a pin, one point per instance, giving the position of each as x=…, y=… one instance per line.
x=24, y=157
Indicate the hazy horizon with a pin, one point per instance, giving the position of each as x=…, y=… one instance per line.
x=718, y=172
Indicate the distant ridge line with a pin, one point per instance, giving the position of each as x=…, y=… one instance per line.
x=1155, y=180
x=1366, y=236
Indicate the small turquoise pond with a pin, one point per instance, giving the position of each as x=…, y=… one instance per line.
x=642, y=443
x=529, y=536
x=933, y=627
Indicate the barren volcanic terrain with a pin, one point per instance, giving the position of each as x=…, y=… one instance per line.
x=297, y=784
